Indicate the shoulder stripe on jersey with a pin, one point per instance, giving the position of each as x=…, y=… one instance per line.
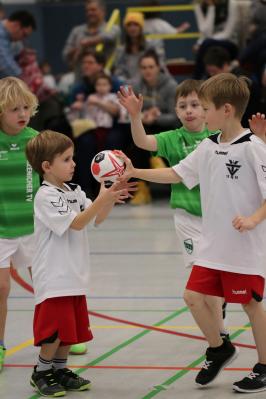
x=242, y=139
x=73, y=186
x=214, y=137
x=58, y=189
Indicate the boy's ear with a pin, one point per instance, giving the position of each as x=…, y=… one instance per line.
x=45, y=166
x=228, y=109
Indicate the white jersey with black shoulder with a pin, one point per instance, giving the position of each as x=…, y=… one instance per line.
x=61, y=261
x=232, y=178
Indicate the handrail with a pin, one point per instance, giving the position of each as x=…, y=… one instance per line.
x=113, y=20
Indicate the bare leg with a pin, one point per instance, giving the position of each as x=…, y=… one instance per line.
x=257, y=317
x=204, y=317
x=62, y=352
x=215, y=304
x=48, y=351
x=4, y=292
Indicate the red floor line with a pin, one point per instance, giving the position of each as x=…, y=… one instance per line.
x=29, y=288
x=133, y=367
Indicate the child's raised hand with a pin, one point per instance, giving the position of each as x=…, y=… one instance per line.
x=257, y=125
x=131, y=102
x=242, y=223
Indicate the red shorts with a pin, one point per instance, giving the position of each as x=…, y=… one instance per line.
x=233, y=287
x=65, y=318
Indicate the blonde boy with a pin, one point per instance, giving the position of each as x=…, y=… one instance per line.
x=230, y=168
x=18, y=185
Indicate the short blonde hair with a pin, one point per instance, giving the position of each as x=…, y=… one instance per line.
x=227, y=88
x=14, y=90
x=45, y=147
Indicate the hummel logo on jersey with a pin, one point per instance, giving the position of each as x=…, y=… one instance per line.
x=232, y=167
x=239, y=292
x=62, y=207
x=14, y=147
x=221, y=152
x=188, y=244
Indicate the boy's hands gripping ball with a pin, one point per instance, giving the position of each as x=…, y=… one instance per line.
x=107, y=166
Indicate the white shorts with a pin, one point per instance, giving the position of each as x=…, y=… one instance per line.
x=19, y=251
x=188, y=228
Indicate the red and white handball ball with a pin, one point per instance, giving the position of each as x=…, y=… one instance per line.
x=107, y=166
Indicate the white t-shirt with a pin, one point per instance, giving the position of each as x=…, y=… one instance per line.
x=61, y=261
x=232, y=178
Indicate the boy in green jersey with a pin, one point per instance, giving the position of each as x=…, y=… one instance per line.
x=175, y=145
x=18, y=185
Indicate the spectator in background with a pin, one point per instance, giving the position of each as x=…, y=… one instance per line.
x=91, y=64
x=17, y=27
x=254, y=55
x=158, y=90
x=216, y=21
x=2, y=12
x=134, y=46
x=217, y=60
x=153, y=24
x=87, y=36
x=48, y=77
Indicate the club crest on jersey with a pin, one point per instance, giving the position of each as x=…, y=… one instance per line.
x=233, y=167
x=263, y=167
x=188, y=244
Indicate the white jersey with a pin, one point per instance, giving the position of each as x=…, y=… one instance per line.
x=61, y=261
x=232, y=178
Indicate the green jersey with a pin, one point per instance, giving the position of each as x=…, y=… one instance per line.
x=18, y=185
x=175, y=145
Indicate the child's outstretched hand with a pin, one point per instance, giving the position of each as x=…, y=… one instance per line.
x=257, y=125
x=130, y=101
x=129, y=170
x=242, y=223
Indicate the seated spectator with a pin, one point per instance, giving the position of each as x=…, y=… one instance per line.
x=95, y=129
x=48, y=77
x=134, y=46
x=158, y=90
x=217, y=60
x=153, y=24
x=91, y=64
x=17, y=27
x=216, y=21
x=2, y=12
x=254, y=55
x=87, y=36
x=32, y=74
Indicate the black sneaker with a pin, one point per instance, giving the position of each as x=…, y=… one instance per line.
x=71, y=381
x=215, y=362
x=46, y=384
x=254, y=382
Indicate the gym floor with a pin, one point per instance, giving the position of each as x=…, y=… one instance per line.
x=146, y=343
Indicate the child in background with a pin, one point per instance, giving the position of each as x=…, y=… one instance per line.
x=229, y=167
x=60, y=262
x=175, y=145
x=18, y=185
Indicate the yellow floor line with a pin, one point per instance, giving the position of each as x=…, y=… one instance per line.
x=19, y=347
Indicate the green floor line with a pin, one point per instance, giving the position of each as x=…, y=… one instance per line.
x=162, y=387
x=125, y=343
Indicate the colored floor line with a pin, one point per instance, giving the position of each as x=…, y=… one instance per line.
x=117, y=367
x=124, y=344
x=162, y=387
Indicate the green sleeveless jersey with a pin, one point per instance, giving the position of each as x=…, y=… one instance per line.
x=175, y=145
x=18, y=185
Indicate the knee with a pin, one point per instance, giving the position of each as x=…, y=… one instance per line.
x=193, y=299
x=250, y=308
